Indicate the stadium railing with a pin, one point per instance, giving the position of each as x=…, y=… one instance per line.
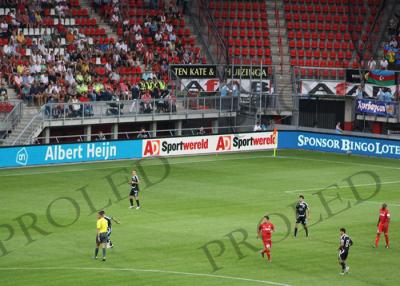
x=12, y=118
x=132, y=108
x=161, y=133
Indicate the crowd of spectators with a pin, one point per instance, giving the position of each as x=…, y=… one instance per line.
x=157, y=29
x=391, y=48
x=61, y=64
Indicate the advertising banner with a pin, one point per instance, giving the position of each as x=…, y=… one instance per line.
x=340, y=88
x=248, y=72
x=209, y=144
x=339, y=144
x=69, y=153
x=375, y=107
x=194, y=71
x=200, y=85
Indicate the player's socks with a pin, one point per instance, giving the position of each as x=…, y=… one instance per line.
x=131, y=201
x=387, y=240
x=137, y=203
x=377, y=240
x=306, y=229
x=268, y=255
x=104, y=253
x=96, y=251
x=295, y=231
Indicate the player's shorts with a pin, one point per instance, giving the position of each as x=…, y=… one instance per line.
x=383, y=227
x=102, y=238
x=343, y=254
x=267, y=243
x=302, y=220
x=134, y=192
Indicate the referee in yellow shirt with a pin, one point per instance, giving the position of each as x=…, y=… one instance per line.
x=101, y=237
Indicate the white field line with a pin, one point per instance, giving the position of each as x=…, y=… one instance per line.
x=143, y=270
x=146, y=164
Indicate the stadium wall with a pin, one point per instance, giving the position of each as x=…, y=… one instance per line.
x=37, y=155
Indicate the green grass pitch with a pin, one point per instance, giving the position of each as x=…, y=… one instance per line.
x=197, y=205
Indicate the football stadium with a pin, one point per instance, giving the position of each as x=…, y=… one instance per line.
x=177, y=142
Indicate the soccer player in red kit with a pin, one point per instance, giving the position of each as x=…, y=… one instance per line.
x=265, y=230
x=383, y=225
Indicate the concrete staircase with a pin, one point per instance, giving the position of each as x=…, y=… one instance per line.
x=100, y=21
x=282, y=63
x=200, y=39
x=31, y=118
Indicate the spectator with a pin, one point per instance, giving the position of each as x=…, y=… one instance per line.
x=360, y=92
x=224, y=89
x=3, y=92
x=257, y=127
x=75, y=106
x=338, y=129
x=143, y=134
x=380, y=95
x=101, y=136
x=201, y=131
x=371, y=64
x=383, y=64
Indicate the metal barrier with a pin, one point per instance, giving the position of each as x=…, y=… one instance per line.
x=12, y=118
x=132, y=108
x=161, y=133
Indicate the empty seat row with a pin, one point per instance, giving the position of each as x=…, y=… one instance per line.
x=259, y=43
x=320, y=26
x=253, y=61
x=330, y=2
x=235, y=5
x=246, y=33
x=243, y=24
x=323, y=63
x=36, y=31
x=321, y=36
x=240, y=15
x=93, y=31
x=325, y=9
x=5, y=11
x=321, y=54
x=244, y=52
x=321, y=45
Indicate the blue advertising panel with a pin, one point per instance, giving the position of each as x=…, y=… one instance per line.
x=69, y=153
x=374, y=107
x=339, y=144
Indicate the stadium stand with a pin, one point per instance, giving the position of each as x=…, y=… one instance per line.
x=326, y=33
x=244, y=26
x=391, y=49
x=54, y=50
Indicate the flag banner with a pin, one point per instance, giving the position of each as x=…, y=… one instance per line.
x=381, y=77
x=375, y=107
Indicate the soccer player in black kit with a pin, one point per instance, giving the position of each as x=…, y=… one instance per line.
x=302, y=213
x=134, y=194
x=344, y=246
